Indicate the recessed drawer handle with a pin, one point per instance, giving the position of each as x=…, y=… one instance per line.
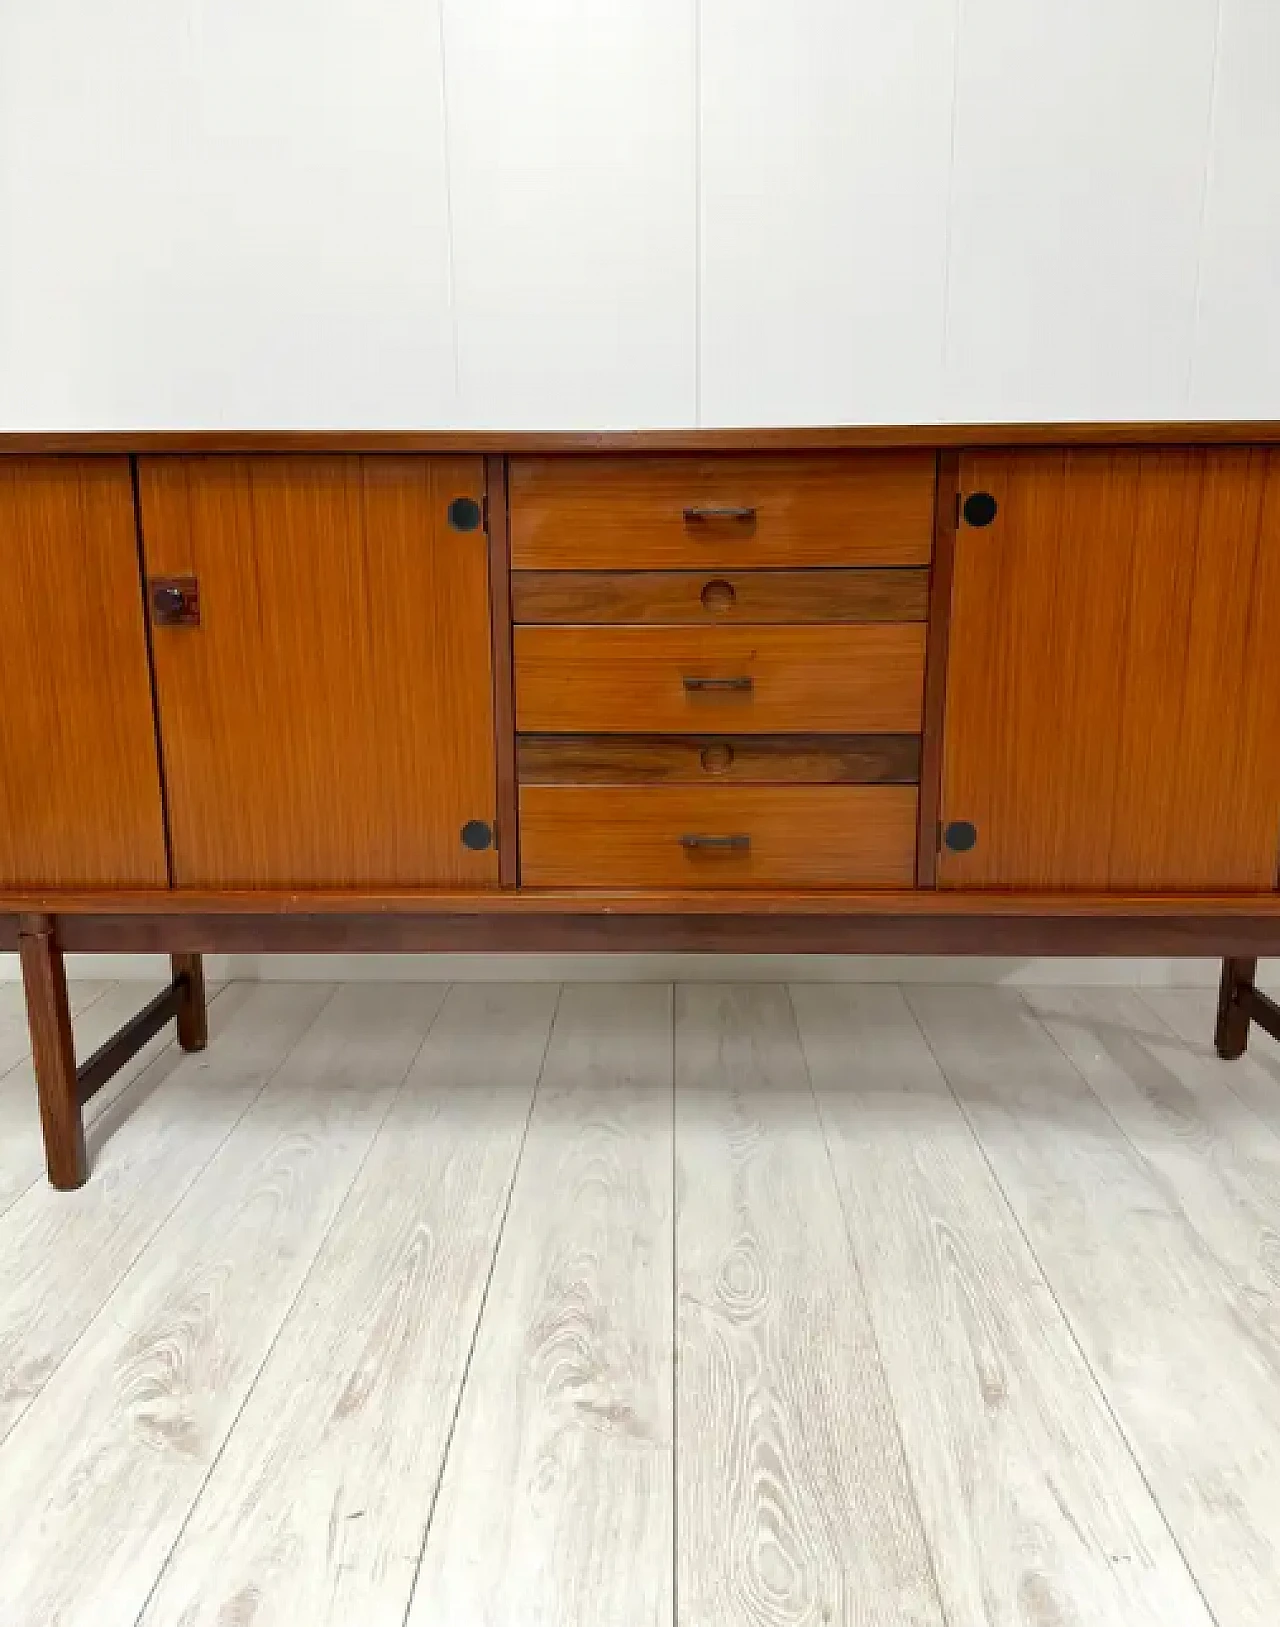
x=697, y=513
x=715, y=844
x=694, y=686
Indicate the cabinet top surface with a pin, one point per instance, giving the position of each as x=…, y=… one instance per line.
x=830, y=438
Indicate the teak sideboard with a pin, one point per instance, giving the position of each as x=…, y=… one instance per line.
x=995, y=689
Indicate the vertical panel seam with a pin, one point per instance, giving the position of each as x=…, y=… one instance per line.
x=944, y=396
x=1197, y=290
x=698, y=203
x=153, y=680
x=451, y=256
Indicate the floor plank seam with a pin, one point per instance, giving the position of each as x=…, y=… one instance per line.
x=516, y=1165
x=103, y=992
x=92, y=1117
x=675, y=1330
x=1272, y=1129
x=394, y=1096
x=1069, y=1327
x=1168, y=1188
x=148, y=1243
x=908, y=1468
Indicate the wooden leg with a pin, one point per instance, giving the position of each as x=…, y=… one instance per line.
x=1231, y=1034
x=193, y=1010
x=53, y=1053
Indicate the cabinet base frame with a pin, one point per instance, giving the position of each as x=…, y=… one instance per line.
x=951, y=929
x=63, y=1087
x=1240, y=1003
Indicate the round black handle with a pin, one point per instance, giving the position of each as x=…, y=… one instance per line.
x=960, y=836
x=169, y=601
x=980, y=508
x=477, y=836
x=465, y=514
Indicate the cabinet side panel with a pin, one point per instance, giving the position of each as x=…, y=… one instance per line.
x=80, y=802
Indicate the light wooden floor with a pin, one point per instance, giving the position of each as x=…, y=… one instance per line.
x=601, y=1307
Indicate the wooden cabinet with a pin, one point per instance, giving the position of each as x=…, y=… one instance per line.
x=278, y=694
x=353, y=681
x=328, y=719
x=80, y=801
x=1113, y=688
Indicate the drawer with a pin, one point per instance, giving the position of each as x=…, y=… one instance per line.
x=720, y=680
x=713, y=597
x=720, y=836
x=800, y=759
x=723, y=512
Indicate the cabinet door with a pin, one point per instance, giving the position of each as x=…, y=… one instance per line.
x=79, y=782
x=1113, y=700
x=328, y=720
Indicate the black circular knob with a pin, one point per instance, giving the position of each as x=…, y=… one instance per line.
x=477, y=836
x=169, y=601
x=980, y=508
x=465, y=514
x=960, y=836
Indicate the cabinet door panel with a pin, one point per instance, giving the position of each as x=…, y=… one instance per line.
x=79, y=781
x=329, y=722
x=1113, y=702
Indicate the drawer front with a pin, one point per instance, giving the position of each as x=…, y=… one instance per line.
x=709, y=597
x=723, y=836
x=723, y=512
x=798, y=759
x=723, y=680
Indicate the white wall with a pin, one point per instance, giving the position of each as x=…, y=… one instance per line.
x=615, y=213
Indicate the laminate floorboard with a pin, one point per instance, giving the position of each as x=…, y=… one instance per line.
x=1215, y=1158
x=61, y=1259
x=98, y=1010
x=795, y=1504
x=638, y=1307
x=1034, y=1508
x=317, y=1510
x=100, y=1474
x=556, y=1504
x=15, y=1046
x=1187, y=1367
x=1254, y=1077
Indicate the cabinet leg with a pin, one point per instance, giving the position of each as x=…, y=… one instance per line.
x=1235, y=998
x=53, y=1053
x=193, y=1009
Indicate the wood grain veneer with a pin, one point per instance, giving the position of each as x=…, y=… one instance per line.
x=1227, y=910
x=818, y=759
x=1113, y=704
x=633, y=836
x=330, y=722
x=629, y=513
x=710, y=598
x=805, y=680
x=819, y=438
x=80, y=802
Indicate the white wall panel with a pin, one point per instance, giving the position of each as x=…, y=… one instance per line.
x=826, y=161
x=223, y=212
x=572, y=156
x=1236, y=368
x=1080, y=146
